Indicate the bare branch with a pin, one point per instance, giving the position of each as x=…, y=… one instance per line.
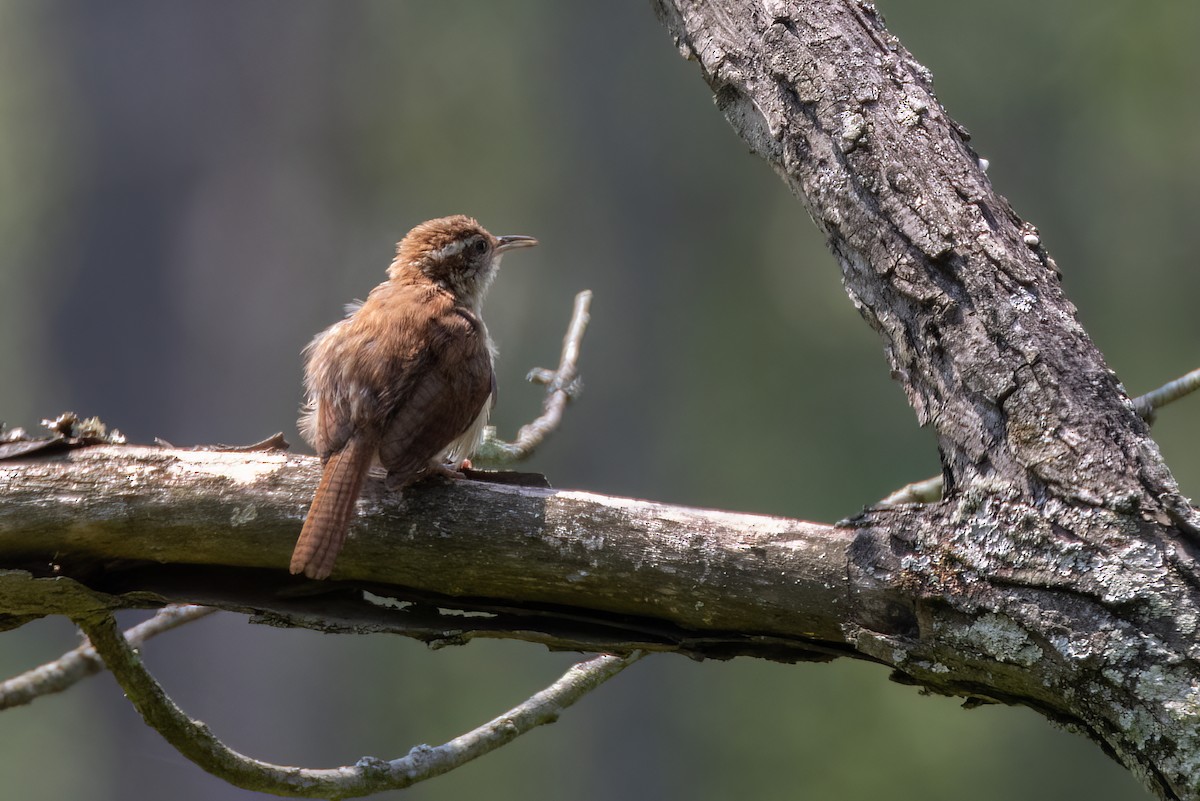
x=571, y=570
x=64, y=672
x=1154, y=400
x=562, y=386
x=369, y=775
x=927, y=491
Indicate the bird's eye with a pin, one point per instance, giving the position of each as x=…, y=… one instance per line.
x=479, y=246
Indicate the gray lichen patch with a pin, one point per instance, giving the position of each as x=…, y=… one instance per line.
x=854, y=130
x=1001, y=639
x=243, y=514
x=909, y=112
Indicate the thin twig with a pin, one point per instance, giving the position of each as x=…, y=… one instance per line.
x=562, y=386
x=369, y=775
x=1154, y=400
x=62, y=673
x=926, y=491
x=929, y=490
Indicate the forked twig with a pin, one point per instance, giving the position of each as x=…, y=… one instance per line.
x=562, y=386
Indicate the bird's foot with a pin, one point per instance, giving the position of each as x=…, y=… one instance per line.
x=449, y=470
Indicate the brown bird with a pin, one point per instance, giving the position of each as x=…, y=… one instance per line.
x=404, y=380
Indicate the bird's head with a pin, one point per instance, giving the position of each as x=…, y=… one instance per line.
x=455, y=253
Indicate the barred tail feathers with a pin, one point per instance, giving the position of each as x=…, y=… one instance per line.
x=328, y=519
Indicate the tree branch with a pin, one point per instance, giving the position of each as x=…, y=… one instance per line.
x=369, y=775
x=1147, y=405
x=562, y=386
x=1059, y=571
x=71, y=667
x=1050, y=475
x=569, y=569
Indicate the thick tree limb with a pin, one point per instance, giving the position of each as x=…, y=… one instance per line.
x=127, y=526
x=1062, y=530
x=968, y=302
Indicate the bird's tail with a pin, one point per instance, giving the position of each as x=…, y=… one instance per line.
x=328, y=518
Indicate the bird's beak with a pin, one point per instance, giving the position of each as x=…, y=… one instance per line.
x=513, y=242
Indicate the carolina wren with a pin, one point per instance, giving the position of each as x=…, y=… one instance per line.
x=404, y=380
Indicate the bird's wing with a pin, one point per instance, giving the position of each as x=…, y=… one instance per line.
x=439, y=401
x=361, y=367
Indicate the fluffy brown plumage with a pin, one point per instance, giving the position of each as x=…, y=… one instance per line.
x=404, y=379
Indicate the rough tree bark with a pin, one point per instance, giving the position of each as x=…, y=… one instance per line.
x=1059, y=571
x=1060, y=568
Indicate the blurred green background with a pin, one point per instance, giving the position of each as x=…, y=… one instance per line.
x=190, y=190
